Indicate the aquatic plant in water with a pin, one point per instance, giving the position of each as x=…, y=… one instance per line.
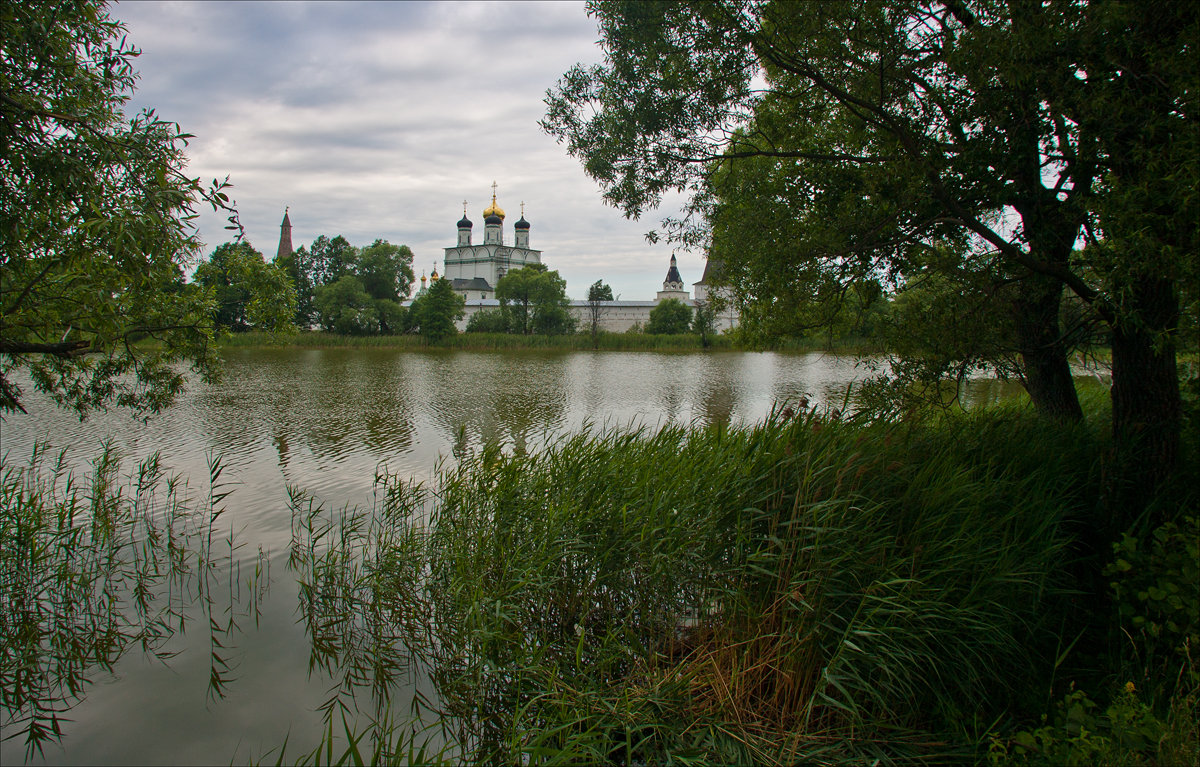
x=92, y=568
x=804, y=589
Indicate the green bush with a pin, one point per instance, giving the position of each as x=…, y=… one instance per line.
x=487, y=321
x=670, y=317
x=1125, y=733
x=1156, y=583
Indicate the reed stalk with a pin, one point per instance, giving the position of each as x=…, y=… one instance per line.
x=811, y=588
x=93, y=567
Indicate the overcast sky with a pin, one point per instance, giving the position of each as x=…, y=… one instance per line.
x=377, y=119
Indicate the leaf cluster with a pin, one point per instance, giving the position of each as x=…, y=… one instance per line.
x=96, y=217
x=670, y=317
x=533, y=299
x=249, y=293
x=435, y=312
x=350, y=290
x=826, y=147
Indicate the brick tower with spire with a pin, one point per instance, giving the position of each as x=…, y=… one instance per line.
x=285, y=238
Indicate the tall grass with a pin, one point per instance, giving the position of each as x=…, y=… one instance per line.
x=808, y=589
x=93, y=567
x=605, y=341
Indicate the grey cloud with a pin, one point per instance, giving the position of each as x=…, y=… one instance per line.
x=375, y=120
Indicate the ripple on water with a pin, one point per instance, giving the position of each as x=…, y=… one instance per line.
x=325, y=421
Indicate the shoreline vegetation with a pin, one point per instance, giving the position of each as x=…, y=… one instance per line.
x=97, y=565
x=605, y=341
x=811, y=589
x=1095, y=357
x=817, y=587
x=971, y=186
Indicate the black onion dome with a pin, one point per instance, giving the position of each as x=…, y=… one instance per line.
x=522, y=224
x=493, y=220
x=464, y=222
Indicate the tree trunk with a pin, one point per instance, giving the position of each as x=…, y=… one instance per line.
x=1145, y=396
x=1039, y=339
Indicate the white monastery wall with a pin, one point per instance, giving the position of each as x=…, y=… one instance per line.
x=615, y=316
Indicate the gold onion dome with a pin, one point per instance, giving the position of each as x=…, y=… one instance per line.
x=493, y=209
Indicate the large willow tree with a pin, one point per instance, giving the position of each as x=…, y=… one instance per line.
x=1020, y=147
x=95, y=220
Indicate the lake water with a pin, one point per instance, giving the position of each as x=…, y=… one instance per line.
x=326, y=421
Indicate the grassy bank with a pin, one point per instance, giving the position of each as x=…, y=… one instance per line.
x=491, y=341
x=809, y=589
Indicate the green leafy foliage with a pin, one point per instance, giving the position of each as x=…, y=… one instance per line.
x=534, y=300
x=670, y=317
x=296, y=266
x=344, y=306
x=824, y=146
x=330, y=259
x=249, y=293
x=487, y=321
x=600, y=291
x=386, y=270
x=349, y=290
x=435, y=312
x=1156, y=582
x=704, y=322
x=96, y=212
x=1125, y=734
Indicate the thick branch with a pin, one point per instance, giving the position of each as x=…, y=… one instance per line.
x=62, y=349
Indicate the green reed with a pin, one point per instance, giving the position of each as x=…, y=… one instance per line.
x=581, y=341
x=605, y=341
x=93, y=567
x=810, y=588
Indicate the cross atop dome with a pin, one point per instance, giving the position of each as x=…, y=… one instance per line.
x=474, y=269
x=493, y=209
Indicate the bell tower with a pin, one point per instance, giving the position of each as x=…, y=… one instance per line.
x=285, y=238
x=493, y=222
x=521, y=231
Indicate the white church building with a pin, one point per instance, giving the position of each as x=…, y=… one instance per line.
x=474, y=269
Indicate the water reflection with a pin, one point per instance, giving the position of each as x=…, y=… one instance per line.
x=348, y=398
x=92, y=568
x=324, y=420
x=510, y=399
x=718, y=395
